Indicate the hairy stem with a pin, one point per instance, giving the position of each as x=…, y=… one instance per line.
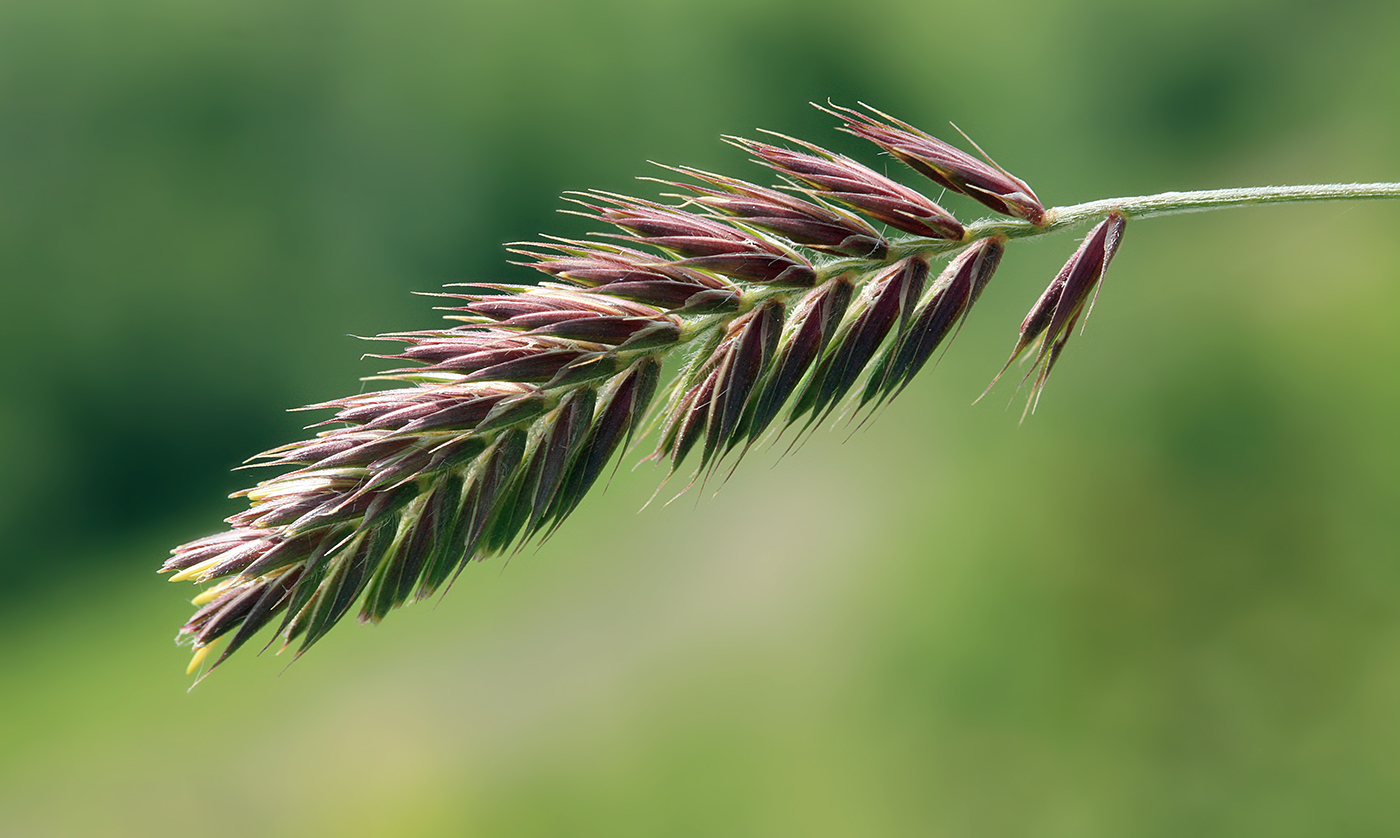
x=1148, y=206
x=1173, y=203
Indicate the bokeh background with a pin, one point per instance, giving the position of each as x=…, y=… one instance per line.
x=1167, y=604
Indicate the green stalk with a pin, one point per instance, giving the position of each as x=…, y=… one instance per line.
x=1149, y=206
x=1175, y=203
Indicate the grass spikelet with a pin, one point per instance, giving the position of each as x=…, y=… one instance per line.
x=1051, y=320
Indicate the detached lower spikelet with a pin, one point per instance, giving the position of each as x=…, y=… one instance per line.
x=496, y=427
x=1071, y=294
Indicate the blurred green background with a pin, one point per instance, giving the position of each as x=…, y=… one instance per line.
x=1167, y=604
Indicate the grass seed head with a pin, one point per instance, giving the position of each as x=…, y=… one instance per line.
x=491, y=430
